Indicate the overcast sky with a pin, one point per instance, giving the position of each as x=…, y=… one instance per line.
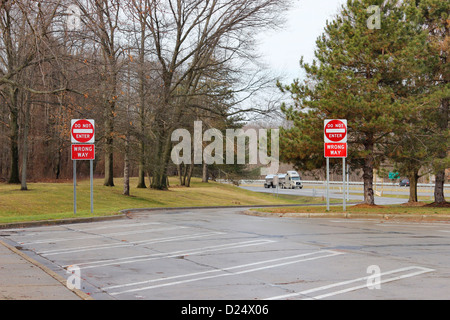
x=305, y=22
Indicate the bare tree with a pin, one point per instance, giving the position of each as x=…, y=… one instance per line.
x=190, y=38
x=102, y=19
x=25, y=27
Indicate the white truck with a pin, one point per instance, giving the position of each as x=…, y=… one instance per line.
x=269, y=181
x=290, y=180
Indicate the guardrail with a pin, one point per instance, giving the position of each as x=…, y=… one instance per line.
x=316, y=182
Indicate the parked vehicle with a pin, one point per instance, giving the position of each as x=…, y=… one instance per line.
x=290, y=180
x=404, y=183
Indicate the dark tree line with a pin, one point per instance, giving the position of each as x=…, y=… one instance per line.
x=140, y=68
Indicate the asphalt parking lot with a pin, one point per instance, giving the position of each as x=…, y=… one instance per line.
x=223, y=254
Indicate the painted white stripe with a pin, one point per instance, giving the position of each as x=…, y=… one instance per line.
x=226, y=271
x=83, y=130
x=335, y=130
x=109, y=226
x=128, y=244
x=101, y=235
x=420, y=270
x=69, y=228
x=136, y=259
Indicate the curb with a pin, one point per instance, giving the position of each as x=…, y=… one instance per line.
x=123, y=214
x=29, y=224
x=54, y=275
x=128, y=211
x=350, y=216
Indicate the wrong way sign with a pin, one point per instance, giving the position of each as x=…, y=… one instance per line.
x=83, y=152
x=335, y=150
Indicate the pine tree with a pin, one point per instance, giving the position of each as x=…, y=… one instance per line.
x=434, y=15
x=356, y=75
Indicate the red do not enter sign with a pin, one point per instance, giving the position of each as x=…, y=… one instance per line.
x=83, y=131
x=335, y=131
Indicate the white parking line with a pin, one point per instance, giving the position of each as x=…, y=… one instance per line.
x=419, y=271
x=20, y=238
x=127, y=244
x=112, y=226
x=101, y=235
x=224, y=272
x=164, y=255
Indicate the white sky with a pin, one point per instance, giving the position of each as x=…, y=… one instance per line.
x=305, y=22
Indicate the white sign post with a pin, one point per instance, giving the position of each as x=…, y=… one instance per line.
x=83, y=136
x=335, y=146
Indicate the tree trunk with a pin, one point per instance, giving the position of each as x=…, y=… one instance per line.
x=141, y=181
x=413, y=179
x=191, y=170
x=162, y=158
x=205, y=172
x=439, y=197
x=141, y=178
x=25, y=147
x=368, y=175
x=109, y=172
x=109, y=152
x=180, y=175
x=14, y=139
x=126, y=170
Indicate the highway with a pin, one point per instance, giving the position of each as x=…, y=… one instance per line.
x=384, y=195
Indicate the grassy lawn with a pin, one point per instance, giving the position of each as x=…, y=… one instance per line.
x=391, y=209
x=45, y=201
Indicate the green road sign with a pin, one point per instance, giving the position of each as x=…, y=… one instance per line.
x=394, y=175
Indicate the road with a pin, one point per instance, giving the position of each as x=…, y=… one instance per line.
x=223, y=254
x=321, y=192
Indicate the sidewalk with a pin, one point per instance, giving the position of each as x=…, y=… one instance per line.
x=22, y=278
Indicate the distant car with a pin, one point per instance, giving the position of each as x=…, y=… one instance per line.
x=404, y=183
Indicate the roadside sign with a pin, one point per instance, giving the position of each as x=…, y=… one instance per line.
x=82, y=135
x=83, y=131
x=83, y=152
x=335, y=131
x=335, y=146
x=335, y=150
x=394, y=175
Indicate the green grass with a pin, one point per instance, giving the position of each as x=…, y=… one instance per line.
x=47, y=201
x=391, y=209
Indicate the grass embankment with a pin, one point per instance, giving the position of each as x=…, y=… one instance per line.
x=47, y=201
x=363, y=209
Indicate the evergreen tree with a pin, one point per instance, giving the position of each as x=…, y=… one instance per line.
x=434, y=15
x=357, y=75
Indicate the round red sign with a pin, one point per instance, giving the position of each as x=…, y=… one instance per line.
x=335, y=130
x=83, y=131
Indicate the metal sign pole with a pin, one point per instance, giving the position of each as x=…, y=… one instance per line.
x=343, y=185
x=348, y=181
x=328, y=184
x=92, y=185
x=74, y=186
